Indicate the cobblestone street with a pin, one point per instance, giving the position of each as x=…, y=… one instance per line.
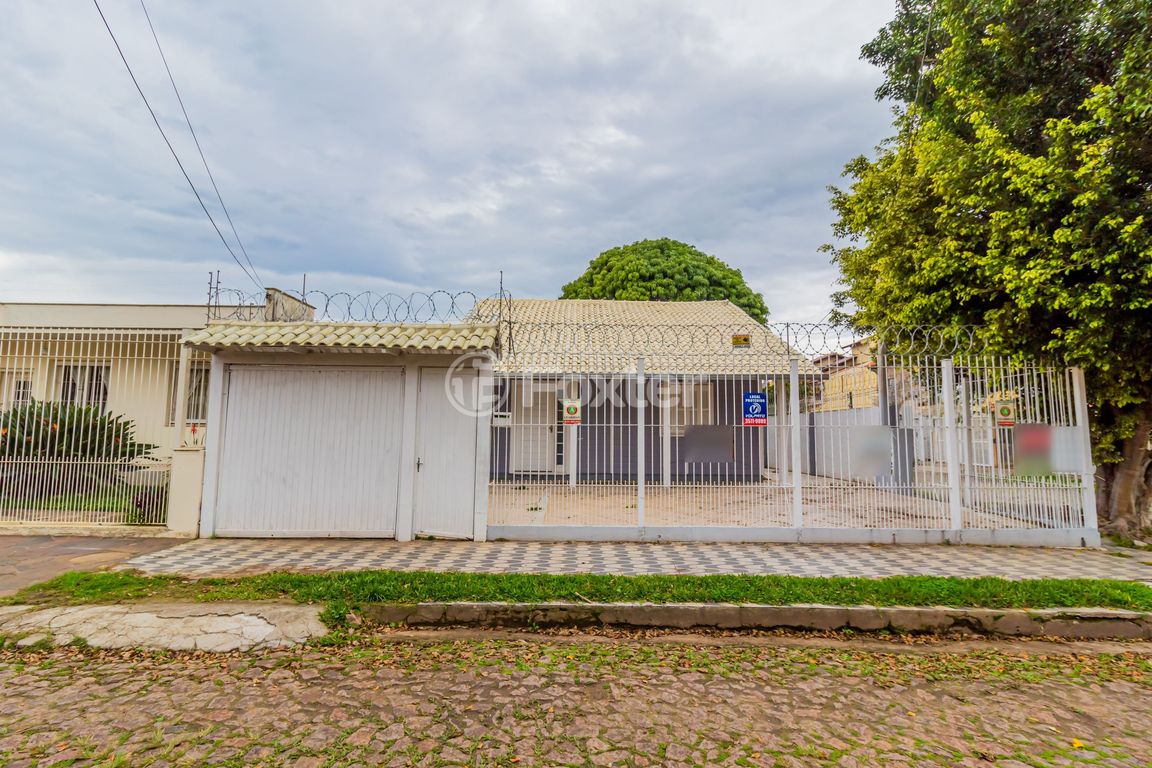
x=505, y=699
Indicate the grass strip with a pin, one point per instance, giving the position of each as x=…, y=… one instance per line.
x=421, y=586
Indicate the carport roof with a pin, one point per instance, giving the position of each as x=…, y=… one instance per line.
x=362, y=337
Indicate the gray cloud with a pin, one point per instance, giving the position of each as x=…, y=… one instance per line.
x=412, y=145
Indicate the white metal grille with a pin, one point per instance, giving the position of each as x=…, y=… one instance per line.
x=88, y=420
x=856, y=435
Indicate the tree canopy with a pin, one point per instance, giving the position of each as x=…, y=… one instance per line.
x=664, y=270
x=1017, y=195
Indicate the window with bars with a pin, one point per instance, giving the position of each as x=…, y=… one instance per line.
x=197, y=411
x=15, y=389
x=85, y=385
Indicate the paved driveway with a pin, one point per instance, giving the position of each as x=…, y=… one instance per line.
x=26, y=560
x=230, y=557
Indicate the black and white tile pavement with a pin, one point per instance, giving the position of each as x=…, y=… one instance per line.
x=202, y=558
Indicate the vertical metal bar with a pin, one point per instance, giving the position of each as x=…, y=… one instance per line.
x=641, y=406
x=781, y=435
x=667, y=392
x=966, y=427
x=951, y=444
x=1088, y=472
x=794, y=415
x=570, y=436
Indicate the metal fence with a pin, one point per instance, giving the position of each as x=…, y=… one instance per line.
x=88, y=421
x=784, y=432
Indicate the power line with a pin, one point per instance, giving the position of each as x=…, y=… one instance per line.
x=196, y=139
x=923, y=57
x=172, y=149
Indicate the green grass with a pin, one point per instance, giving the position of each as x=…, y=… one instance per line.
x=110, y=499
x=1128, y=543
x=413, y=587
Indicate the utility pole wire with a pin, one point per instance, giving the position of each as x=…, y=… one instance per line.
x=196, y=139
x=171, y=149
x=923, y=57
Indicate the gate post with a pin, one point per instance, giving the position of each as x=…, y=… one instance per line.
x=951, y=444
x=571, y=438
x=641, y=408
x=794, y=409
x=1088, y=473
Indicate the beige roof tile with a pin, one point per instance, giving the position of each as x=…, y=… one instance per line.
x=453, y=337
x=607, y=336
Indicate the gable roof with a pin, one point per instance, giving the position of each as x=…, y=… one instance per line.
x=349, y=337
x=607, y=336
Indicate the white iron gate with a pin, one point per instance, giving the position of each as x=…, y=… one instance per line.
x=88, y=420
x=879, y=445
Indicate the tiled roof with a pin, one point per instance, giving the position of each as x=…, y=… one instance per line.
x=607, y=336
x=448, y=337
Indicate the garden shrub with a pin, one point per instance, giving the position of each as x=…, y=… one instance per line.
x=47, y=449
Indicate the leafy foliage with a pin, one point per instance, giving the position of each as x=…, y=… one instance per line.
x=68, y=456
x=664, y=270
x=41, y=430
x=1017, y=195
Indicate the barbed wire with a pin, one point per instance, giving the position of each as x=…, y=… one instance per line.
x=823, y=345
x=277, y=305
x=806, y=340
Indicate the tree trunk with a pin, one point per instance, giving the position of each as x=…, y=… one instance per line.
x=1124, y=489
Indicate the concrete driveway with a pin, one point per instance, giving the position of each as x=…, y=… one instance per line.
x=26, y=560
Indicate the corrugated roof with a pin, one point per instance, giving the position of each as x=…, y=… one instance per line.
x=607, y=336
x=447, y=337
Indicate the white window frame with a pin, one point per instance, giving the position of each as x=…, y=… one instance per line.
x=10, y=389
x=198, y=373
x=196, y=396
x=83, y=386
x=694, y=406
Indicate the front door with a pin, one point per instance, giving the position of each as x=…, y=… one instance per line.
x=533, y=439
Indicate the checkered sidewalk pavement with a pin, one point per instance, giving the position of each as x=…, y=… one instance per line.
x=202, y=558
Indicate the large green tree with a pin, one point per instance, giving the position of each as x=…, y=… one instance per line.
x=1017, y=195
x=664, y=270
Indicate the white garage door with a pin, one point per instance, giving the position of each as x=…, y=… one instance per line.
x=310, y=451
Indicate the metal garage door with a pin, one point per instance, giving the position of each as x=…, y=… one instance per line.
x=310, y=451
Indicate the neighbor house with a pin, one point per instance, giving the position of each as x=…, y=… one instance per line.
x=112, y=361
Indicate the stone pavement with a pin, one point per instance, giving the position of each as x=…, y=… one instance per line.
x=554, y=701
x=26, y=560
x=217, y=627
x=230, y=557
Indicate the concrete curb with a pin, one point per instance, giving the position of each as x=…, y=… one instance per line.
x=93, y=530
x=1068, y=623
x=218, y=627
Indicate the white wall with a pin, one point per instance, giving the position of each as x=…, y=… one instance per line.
x=104, y=315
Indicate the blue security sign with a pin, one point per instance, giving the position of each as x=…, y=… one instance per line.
x=755, y=409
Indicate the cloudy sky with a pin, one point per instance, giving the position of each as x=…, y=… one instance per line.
x=401, y=146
